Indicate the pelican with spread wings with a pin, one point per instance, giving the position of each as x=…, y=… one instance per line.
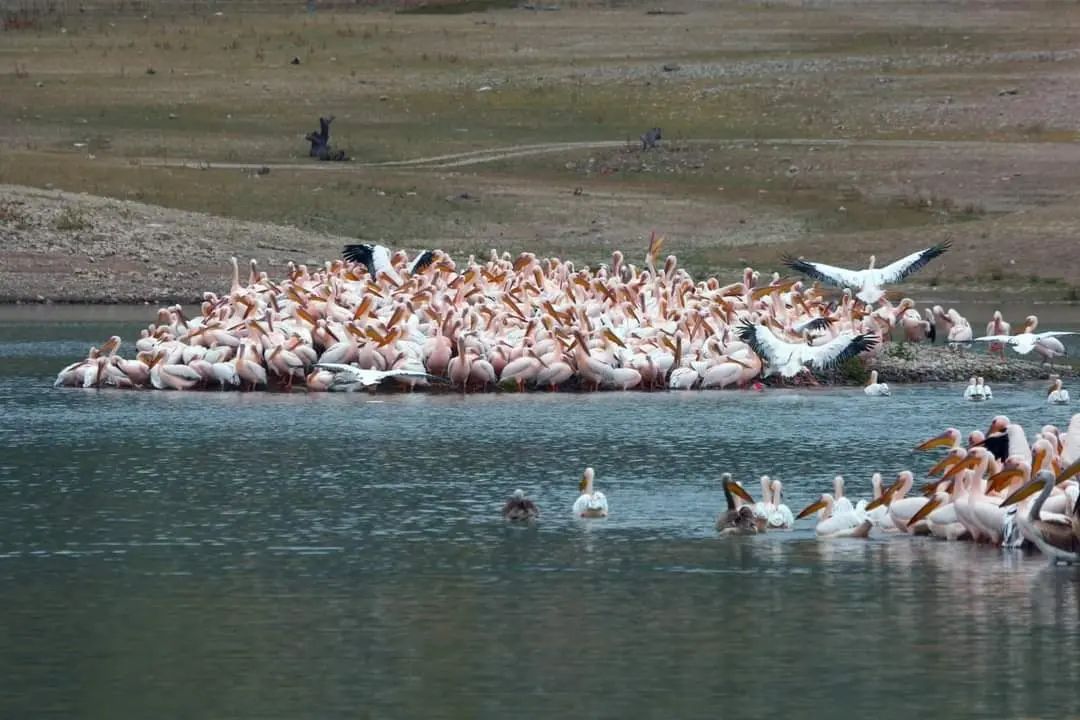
x=790, y=358
x=870, y=282
x=348, y=378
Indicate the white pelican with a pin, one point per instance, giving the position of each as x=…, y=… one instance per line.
x=788, y=358
x=591, y=503
x=1025, y=341
x=764, y=507
x=738, y=518
x=781, y=517
x=1057, y=395
x=869, y=282
x=984, y=389
x=836, y=525
x=349, y=377
x=998, y=326
x=901, y=508
x=879, y=516
x=519, y=507
x=971, y=392
x=874, y=388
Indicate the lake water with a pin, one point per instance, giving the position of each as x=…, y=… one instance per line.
x=227, y=555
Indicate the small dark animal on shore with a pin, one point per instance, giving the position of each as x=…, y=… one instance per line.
x=320, y=143
x=651, y=138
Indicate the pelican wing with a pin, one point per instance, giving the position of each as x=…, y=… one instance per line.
x=350, y=374
x=375, y=257
x=820, y=357
x=813, y=325
x=1053, y=333
x=902, y=268
x=421, y=261
x=995, y=338
x=840, y=277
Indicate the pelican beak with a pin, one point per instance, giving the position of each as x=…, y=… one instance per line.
x=583, y=484
x=1026, y=491
x=1068, y=472
x=885, y=499
x=811, y=509
x=930, y=488
x=1037, y=459
x=966, y=464
x=736, y=489
x=942, y=440
x=925, y=510
x=999, y=482
x=610, y=335
x=942, y=465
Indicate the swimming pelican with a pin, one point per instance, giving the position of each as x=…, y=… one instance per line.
x=835, y=525
x=519, y=508
x=874, y=388
x=869, y=282
x=738, y=518
x=591, y=503
x=971, y=392
x=1057, y=395
x=984, y=389
x=781, y=517
x=1055, y=537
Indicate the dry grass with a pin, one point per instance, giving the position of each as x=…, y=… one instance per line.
x=911, y=129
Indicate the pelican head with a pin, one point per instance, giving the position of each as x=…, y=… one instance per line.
x=586, y=480
x=519, y=494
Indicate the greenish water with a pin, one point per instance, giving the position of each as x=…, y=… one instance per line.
x=226, y=555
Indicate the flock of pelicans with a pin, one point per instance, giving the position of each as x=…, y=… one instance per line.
x=995, y=488
x=378, y=316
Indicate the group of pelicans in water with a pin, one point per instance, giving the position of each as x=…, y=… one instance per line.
x=524, y=322
x=995, y=489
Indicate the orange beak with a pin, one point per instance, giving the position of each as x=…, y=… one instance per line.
x=1000, y=481
x=811, y=509
x=736, y=489
x=925, y=510
x=942, y=440
x=1026, y=491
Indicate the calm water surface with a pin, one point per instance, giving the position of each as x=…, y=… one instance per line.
x=219, y=555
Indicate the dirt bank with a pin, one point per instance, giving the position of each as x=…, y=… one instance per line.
x=66, y=247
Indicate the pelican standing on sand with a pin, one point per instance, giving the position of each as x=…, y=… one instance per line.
x=591, y=503
x=520, y=508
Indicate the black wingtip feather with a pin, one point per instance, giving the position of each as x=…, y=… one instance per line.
x=360, y=253
x=422, y=261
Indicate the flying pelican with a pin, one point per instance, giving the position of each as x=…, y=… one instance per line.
x=789, y=359
x=1057, y=395
x=869, y=282
x=1025, y=341
x=874, y=388
x=591, y=503
x=349, y=377
x=836, y=525
x=738, y=518
x=519, y=507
